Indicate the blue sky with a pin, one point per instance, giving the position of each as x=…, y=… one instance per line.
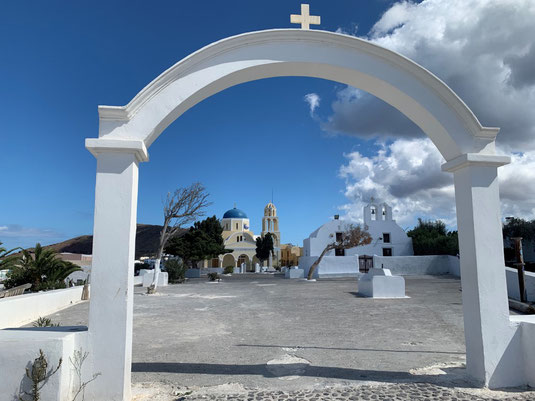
x=60, y=60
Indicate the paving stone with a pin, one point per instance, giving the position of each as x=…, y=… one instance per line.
x=393, y=392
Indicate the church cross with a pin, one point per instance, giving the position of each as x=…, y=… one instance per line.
x=305, y=19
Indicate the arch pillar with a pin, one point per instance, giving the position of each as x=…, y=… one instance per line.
x=112, y=273
x=488, y=331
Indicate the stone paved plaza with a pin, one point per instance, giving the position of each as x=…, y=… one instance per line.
x=292, y=339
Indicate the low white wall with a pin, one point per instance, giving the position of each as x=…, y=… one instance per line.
x=23, y=309
x=332, y=266
x=20, y=347
x=512, y=284
x=419, y=265
x=528, y=334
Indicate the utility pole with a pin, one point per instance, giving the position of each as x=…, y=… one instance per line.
x=520, y=268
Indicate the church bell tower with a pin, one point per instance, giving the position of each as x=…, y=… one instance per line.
x=270, y=224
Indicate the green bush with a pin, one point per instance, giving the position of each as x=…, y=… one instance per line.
x=45, y=322
x=213, y=276
x=176, y=270
x=42, y=269
x=432, y=238
x=228, y=270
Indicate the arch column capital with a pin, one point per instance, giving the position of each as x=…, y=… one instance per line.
x=475, y=159
x=137, y=147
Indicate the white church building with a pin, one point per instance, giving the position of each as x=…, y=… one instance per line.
x=388, y=239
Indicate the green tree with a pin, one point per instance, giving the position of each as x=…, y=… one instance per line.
x=42, y=269
x=264, y=247
x=7, y=259
x=517, y=228
x=432, y=238
x=202, y=241
x=176, y=270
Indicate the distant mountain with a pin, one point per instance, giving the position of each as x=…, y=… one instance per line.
x=147, y=240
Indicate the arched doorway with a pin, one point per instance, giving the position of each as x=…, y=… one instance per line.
x=126, y=132
x=245, y=259
x=228, y=260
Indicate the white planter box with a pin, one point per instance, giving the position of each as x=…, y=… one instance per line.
x=379, y=283
x=294, y=273
x=163, y=279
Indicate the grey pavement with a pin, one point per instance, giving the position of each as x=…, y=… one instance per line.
x=272, y=334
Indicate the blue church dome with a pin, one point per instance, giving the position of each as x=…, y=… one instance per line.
x=234, y=214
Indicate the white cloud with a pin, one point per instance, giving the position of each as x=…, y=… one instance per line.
x=18, y=231
x=313, y=101
x=406, y=174
x=485, y=51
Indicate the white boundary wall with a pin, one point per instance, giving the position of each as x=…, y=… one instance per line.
x=419, y=265
x=332, y=266
x=20, y=347
x=512, y=284
x=23, y=309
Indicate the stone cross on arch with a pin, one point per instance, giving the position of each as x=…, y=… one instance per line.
x=305, y=19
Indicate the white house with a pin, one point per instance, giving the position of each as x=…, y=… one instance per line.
x=388, y=239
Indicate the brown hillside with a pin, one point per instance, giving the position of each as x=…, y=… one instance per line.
x=147, y=239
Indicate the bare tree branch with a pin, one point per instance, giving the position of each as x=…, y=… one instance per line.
x=180, y=208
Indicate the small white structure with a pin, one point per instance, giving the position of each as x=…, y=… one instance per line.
x=388, y=238
x=163, y=279
x=331, y=266
x=379, y=283
x=294, y=273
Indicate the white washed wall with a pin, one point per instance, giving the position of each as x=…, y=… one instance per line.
x=419, y=265
x=331, y=266
x=512, y=284
x=23, y=309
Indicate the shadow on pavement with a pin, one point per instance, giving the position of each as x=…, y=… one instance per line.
x=352, y=349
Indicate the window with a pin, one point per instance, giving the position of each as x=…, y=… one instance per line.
x=236, y=226
x=339, y=237
x=339, y=252
x=386, y=238
x=387, y=251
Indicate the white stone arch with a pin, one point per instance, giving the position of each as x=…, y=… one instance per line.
x=228, y=260
x=125, y=133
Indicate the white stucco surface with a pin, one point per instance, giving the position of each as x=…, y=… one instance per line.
x=331, y=266
x=23, y=309
x=419, y=265
x=294, y=273
x=147, y=279
x=399, y=242
x=380, y=283
x=20, y=347
x=513, y=289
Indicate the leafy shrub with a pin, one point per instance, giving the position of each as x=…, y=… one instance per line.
x=213, y=276
x=44, y=322
x=42, y=269
x=432, y=238
x=228, y=270
x=176, y=270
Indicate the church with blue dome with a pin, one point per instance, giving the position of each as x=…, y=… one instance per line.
x=237, y=235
